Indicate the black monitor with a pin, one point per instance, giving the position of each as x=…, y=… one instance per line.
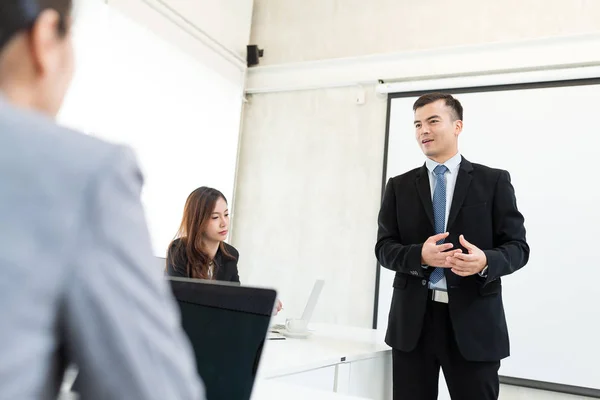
x=227, y=326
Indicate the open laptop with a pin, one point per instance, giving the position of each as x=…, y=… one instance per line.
x=310, y=305
x=227, y=326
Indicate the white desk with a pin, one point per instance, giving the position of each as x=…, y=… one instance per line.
x=270, y=389
x=335, y=359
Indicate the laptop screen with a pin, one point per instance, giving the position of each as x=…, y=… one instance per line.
x=227, y=326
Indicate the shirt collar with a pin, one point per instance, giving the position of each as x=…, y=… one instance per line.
x=452, y=164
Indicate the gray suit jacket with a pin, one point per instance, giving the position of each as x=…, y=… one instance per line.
x=77, y=277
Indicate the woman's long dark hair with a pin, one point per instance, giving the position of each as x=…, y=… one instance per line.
x=20, y=15
x=189, y=249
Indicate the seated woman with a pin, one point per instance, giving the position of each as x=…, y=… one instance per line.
x=199, y=250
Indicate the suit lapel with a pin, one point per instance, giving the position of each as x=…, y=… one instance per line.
x=424, y=190
x=463, y=180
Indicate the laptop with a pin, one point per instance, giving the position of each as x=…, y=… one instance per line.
x=227, y=326
x=310, y=305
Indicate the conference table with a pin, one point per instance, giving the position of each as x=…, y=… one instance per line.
x=334, y=362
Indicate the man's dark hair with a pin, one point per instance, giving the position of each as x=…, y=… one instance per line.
x=19, y=15
x=450, y=101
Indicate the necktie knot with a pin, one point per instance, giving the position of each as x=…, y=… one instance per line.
x=440, y=170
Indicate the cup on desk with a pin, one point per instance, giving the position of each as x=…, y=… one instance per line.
x=296, y=325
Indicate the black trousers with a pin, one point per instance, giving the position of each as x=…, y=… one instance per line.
x=416, y=373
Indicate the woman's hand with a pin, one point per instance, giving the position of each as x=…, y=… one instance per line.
x=278, y=307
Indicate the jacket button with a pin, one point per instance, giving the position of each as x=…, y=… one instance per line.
x=423, y=282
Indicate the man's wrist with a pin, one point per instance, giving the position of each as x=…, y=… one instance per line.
x=483, y=272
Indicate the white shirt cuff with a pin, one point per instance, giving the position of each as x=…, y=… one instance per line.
x=483, y=272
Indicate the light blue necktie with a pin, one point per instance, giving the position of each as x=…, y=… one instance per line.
x=439, y=213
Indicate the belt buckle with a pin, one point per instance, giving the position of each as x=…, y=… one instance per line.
x=439, y=296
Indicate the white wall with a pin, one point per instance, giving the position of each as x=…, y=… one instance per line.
x=180, y=116
x=228, y=22
x=80, y=109
x=292, y=31
x=288, y=229
x=216, y=32
x=304, y=179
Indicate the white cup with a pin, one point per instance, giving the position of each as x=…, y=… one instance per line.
x=296, y=325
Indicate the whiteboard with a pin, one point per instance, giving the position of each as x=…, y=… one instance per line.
x=181, y=118
x=547, y=139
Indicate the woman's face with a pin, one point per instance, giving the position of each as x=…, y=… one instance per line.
x=218, y=224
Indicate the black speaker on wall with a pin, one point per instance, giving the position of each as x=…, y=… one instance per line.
x=253, y=54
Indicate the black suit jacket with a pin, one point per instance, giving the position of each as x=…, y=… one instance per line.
x=225, y=269
x=484, y=210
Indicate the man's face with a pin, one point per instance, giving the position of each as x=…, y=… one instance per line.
x=437, y=130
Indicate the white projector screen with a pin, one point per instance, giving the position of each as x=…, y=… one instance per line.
x=545, y=135
x=180, y=117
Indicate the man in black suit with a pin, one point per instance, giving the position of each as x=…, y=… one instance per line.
x=449, y=229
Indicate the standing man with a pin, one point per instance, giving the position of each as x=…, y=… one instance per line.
x=449, y=229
